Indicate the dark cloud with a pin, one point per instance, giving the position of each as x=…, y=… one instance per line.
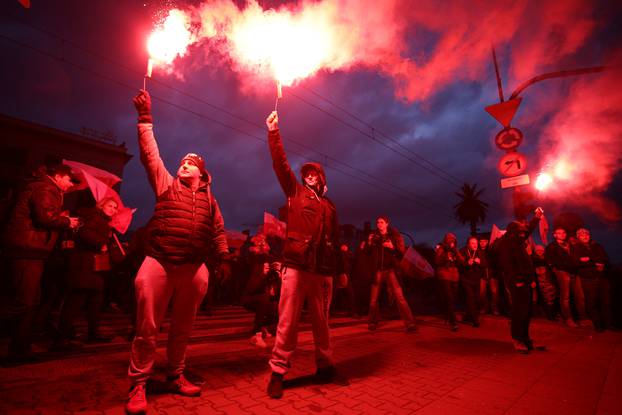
x=446, y=126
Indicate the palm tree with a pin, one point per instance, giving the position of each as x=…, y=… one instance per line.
x=470, y=209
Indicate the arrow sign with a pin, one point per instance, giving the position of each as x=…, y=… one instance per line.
x=505, y=111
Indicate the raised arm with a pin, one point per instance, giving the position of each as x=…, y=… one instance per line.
x=281, y=166
x=159, y=178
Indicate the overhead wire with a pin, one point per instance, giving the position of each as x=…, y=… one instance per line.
x=450, y=178
x=236, y=116
x=234, y=128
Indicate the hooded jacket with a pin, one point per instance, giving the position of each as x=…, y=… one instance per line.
x=447, y=258
x=312, y=237
x=36, y=219
x=513, y=260
x=187, y=225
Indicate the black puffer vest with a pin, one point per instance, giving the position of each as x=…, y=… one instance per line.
x=182, y=227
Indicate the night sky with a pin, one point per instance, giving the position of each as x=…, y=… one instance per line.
x=69, y=64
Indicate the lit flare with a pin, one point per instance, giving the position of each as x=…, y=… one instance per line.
x=290, y=47
x=543, y=181
x=170, y=40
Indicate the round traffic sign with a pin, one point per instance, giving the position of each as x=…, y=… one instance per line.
x=509, y=138
x=512, y=164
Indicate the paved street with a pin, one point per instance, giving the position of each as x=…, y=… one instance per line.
x=433, y=371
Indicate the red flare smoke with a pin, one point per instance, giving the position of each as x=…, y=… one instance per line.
x=582, y=144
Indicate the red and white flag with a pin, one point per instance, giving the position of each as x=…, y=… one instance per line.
x=273, y=226
x=544, y=230
x=414, y=265
x=495, y=233
x=235, y=239
x=99, y=182
x=80, y=169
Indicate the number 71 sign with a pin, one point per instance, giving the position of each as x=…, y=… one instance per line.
x=512, y=164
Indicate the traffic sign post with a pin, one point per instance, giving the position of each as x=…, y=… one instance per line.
x=512, y=164
x=504, y=111
x=509, y=138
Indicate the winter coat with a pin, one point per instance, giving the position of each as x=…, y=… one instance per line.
x=187, y=225
x=312, y=238
x=513, y=260
x=447, y=259
x=91, y=237
x=595, y=254
x=559, y=257
x=471, y=274
x=36, y=219
x=384, y=258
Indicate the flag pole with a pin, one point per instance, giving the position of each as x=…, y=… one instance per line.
x=279, y=94
x=114, y=235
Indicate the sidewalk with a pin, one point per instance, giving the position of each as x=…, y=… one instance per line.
x=432, y=371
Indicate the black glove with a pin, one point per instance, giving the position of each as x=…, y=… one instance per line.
x=142, y=102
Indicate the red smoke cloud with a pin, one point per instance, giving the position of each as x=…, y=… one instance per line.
x=422, y=46
x=582, y=145
x=427, y=45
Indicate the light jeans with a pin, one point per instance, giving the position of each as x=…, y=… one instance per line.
x=156, y=284
x=317, y=289
x=388, y=276
x=570, y=283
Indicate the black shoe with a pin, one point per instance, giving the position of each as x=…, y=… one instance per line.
x=411, y=328
x=275, y=386
x=325, y=374
x=535, y=346
x=329, y=374
x=454, y=327
x=476, y=324
x=372, y=326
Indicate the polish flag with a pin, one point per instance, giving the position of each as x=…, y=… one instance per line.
x=414, y=265
x=99, y=182
x=273, y=226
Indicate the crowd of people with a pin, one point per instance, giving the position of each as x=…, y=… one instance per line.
x=181, y=262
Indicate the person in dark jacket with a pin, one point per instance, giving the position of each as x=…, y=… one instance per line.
x=447, y=258
x=489, y=281
x=186, y=228
x=262, y=289
x=31, y=234
x=343, y=286
x=310, y=257
x=362, y=276
x=89, y=265
x=544, y=277
x=592, y=264
x=558, y=257
x=518, y=271
x=472, y=271
x=387, y=249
